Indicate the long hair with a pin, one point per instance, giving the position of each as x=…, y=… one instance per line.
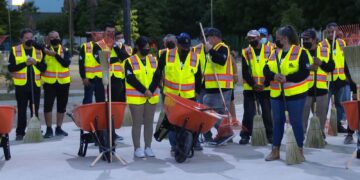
x=290, y=33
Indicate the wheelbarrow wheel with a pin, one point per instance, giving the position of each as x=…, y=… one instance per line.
x=6, y=147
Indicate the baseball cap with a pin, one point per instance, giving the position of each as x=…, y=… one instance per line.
x=253, y=33
x=263, y=31
x=184, y=40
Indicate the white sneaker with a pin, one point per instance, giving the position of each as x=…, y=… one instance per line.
x=139, y=153
x=149, y=152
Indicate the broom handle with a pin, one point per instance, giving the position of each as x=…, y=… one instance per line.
x=315, y=89
x=216, y=77
x=332, y=73
x=282, y=90
x=110, y=116
x=32, y=90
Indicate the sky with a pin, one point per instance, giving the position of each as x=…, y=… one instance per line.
x=47, y=5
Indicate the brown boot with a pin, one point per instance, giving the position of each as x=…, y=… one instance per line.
x=302, y=154
x=274, y=155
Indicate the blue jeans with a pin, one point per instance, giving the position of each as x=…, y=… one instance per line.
x=295, y=108
x=346, y=96
x=338, y=96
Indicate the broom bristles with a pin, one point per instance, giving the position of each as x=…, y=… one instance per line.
x=333, y=122
x=33, y=133
x=127, y=117
x=293, y=154
x=314, y=137
x=258, y=136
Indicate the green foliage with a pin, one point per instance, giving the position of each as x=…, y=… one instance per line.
x=58, y=23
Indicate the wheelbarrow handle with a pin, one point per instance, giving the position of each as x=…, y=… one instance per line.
x=207, y=109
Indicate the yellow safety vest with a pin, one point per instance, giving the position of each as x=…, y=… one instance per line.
x=92, y=67
x=323, y=54
x=117, y=69
x=144, y=74
x=200, y=50
x=20, y=77
x=338, y=57
x=180, y=79
x=224, y=73
x=256, y=64
x=289, y=65
x=271, y=45
x=54, y=70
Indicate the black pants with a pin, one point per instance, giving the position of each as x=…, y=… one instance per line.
x=24, y=100
x=249, y=112
x=99, y=90
x=58, y=91
x=117, y=89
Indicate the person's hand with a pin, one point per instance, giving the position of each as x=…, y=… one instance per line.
x=313, y=67
x=235, y=78
x=258, y=87
x=148, y=94
x=317, y=61
x=30, y=61
x=208, y=46
x=49, y=52
x=280, y=78
x=86, y=82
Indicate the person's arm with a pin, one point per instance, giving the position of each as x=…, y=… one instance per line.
x=65, y=61
x=158, y=73
x=41, y=65
x=328, y=66
x=121, y=54
x=82, y=62
x=198, y=79
x=246, y=72
x=269, y=75
x=131, y=79
x=303, y=71
x=13, y=67
x=96, y=49
x=220, y=56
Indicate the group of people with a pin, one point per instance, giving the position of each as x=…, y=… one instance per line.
x=285, y=75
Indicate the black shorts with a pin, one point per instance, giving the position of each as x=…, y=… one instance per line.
x=58, y=91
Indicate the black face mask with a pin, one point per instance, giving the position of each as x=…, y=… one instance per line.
x=307, y=45
x=144, y=52
x=29, y=43
x=278, y=44
x=55, y=42
x=170, y=45
x=254, y=43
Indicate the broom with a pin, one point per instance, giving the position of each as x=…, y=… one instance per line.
x=314, y=138
x=258, y=135
x=33, y=133
x=293, y=154
x=333, y=114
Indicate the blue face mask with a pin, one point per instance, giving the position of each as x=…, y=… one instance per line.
x=263, y=40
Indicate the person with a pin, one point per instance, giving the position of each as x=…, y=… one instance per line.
x=218, y=82
x=265, y=38
x=234, y=120
x=90, y=71
x=182, y=75
x=142, y=95
x=26, y=63
x=340, y=77
x=256, y=86
x=288, y=87
x=321, y=65
x=56, y=85
x=169, y=42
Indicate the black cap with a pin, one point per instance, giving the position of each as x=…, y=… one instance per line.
x=184, y=40
x=309, y=33
x=213, y=32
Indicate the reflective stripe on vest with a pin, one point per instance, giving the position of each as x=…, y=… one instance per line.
x=172, y=54
x=177, y=86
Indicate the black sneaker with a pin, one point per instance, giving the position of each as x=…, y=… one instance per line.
x=19, y=137
x=49, y=133
x=117, y=137
x=341, y=129
x=270, y=140
x=348, y=139
x=244, y=141
x=60, y=132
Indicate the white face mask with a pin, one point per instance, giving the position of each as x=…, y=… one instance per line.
x=263, y=40
x=120, y=41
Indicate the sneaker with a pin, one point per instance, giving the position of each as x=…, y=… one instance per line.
x=139, y=153
x=117, y=137
x=49, y=133
x=197, y=146
x=341, y=129
x=270, y=140
x=244, y=141
x=60, y=132
x=149, y=152
x=348, y=139
x=19, y=137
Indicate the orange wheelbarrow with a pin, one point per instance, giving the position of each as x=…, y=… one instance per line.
x=189, y=120
x=93, y=124
x=352, y=114
x=7, y=114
